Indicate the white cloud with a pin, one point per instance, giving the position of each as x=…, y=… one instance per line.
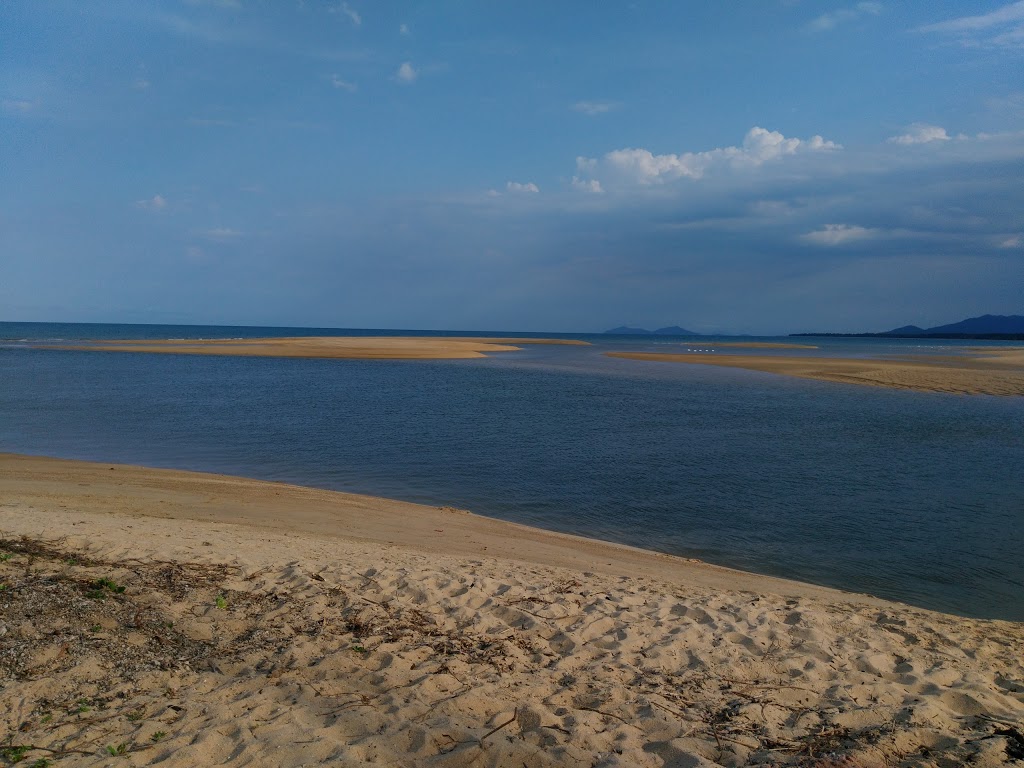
x=594, y=107
x=221, y=233
x=141, y=84
x=514, y=186
x=1001, y=27
x=344, y=85
x=921, y=133
x=211, y=121
x=1008, y=13
x=403, y=30
x=234, y=4
x=19, y=106
x=839, y=234
x=1016, y=241
x=406, y=73
x=587, y=185
x=155, y=203
x=641, y=166
x=346, y=10
x=831, y=20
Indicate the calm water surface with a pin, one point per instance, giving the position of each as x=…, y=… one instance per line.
x=911, y=496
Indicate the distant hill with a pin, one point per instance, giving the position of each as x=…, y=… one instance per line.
x=906, y=330
x=1010, y=327
x=672, y=330
x=625, y=330
x=675, y=330
x=983, y=324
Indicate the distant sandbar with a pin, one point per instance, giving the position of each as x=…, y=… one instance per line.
x=758, y=345
x=336, y=347
x=987, y=371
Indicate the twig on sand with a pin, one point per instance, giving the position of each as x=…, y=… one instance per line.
x=606, y=714
x=515, y=716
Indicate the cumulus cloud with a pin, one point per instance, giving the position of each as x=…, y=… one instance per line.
x=641, y=166
x=406, y=73
x=587, y=185
x=1001, y=27
x=341, y=84
x=921, y=133
x=593, y=107
x=831, y=20
x=155, y=203
x=838, y=234
x=529, y=187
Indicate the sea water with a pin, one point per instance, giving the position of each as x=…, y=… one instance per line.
x=912, y=496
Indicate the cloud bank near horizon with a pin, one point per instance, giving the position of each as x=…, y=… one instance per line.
x=350, y=165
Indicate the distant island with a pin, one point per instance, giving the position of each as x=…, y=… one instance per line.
x=998, y=327
x=672, y=330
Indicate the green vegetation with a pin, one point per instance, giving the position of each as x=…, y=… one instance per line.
x=14, y=753
x=101, y=587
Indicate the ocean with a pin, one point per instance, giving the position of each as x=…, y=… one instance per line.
x=911, y=496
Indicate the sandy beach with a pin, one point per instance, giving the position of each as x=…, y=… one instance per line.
x=174, y=618
x=986, y=371
x=337, y=347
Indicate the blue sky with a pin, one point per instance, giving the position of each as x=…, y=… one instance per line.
x=746, y=167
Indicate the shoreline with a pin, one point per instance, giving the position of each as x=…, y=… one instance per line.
x=987, y=371
x=234, y=500
x=191, y=619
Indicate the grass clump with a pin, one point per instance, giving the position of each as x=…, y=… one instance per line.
x=14, y=753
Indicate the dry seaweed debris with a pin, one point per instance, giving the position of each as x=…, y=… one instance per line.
x=96, y=657
x=109, y=629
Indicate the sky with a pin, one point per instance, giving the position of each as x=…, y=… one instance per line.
x=732, y=167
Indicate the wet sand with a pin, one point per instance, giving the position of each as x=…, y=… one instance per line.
x=987, y=371
x=337, y=347
x=153, y=616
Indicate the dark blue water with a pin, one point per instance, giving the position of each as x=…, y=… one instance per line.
x=916, y=497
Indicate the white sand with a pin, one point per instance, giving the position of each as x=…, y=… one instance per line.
x=333, y=347
x=340, y=648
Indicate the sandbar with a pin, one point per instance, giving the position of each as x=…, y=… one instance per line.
x=154, y=616
x=335, y=347
x=757, y=345
x=990, y=371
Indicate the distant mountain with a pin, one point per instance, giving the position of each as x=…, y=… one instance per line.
x=625, y=330
x=675, y=330
x=672, y=330
x=983, y=324
x=1008, y=327
x=906, y=330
